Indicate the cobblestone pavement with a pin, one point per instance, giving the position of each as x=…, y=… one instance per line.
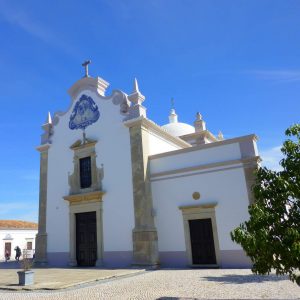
x=176, y=284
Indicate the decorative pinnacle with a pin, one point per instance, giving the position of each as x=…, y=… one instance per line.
x=136, y=97
x=85, y=64
x=49, y=119
x=135, y=86
x=198, y=116
x=220, y=136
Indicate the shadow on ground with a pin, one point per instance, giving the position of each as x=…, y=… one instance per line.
x=249, y=278
x=10, y=265
x=175, y=298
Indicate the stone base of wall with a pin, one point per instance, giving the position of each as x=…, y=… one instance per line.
x=235, y=259
x=111, y=259
x=58, y=259
x=171, y=259
x=117, y=259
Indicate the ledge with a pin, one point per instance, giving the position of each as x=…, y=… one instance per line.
x=43, y=147
x=142, y=121
x=73, y=199
x=244, y=162
x=250, y=137
x=199, y=206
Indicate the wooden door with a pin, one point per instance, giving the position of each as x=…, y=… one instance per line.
x=202, y=242
x=7, y=247
x=86, y=239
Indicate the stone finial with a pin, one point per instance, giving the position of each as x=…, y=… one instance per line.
x=47, y=127
x=135, y=86
x=173, y=117
x=220, y=136
x=198, y=116
x=136, y=97
x=49, y=119
x=199, y=123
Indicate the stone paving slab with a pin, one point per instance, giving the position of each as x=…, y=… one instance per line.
x=58, y=278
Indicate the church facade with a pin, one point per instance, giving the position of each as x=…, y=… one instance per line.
x=116, y=189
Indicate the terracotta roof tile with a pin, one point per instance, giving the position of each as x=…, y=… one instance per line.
x=16, y=224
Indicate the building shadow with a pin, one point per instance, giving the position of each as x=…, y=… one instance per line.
x=176, y=298
x=241, y=279
x=10, y=265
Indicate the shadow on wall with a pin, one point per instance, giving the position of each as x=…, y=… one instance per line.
x=249, y=278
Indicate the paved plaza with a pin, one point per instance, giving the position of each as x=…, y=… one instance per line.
x=168, y=284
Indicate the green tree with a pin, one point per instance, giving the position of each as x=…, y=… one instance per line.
x=271, y=236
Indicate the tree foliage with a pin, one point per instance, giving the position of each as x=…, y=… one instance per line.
x=271, y=237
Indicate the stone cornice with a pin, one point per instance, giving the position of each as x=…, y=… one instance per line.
x=80, y=145
x=186, y=208
x=246, y=162
x=97, y=85
x=43, y=148
x=250, y=137
x=194, y=135
x=151, y=126
x=73, y=199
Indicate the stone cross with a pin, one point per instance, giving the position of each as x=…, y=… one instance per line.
x=86, y=66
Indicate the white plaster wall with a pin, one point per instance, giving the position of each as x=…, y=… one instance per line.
x=196, y=158
x=158, y=144
x=19, y=238
x=113, y=150
x=227, y=188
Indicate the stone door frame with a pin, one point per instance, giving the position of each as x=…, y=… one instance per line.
x=82, y=207
x=196, y=212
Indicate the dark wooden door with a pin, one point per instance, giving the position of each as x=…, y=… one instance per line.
x=7, y=248
x=202, y=242
x=86, y=239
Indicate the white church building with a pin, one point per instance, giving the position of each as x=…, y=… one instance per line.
x=118, y=190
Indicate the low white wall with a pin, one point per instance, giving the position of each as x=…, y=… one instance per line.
x=173, y=186
x=227, y=188
x=18, y=238
x=196, y=157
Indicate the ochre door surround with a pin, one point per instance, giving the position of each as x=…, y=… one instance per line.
x=76, y=207
x=200, y=212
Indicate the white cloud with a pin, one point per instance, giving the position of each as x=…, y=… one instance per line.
x=277, y=75
x=22, y=19
x=271, y=158
x=19, y=211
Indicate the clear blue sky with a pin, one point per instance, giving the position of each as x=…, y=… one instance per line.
x=237, y=62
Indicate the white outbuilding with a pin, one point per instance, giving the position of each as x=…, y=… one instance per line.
x=15, y=233
x=116, y=189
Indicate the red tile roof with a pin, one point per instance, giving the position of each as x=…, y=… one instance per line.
x=15, y=224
